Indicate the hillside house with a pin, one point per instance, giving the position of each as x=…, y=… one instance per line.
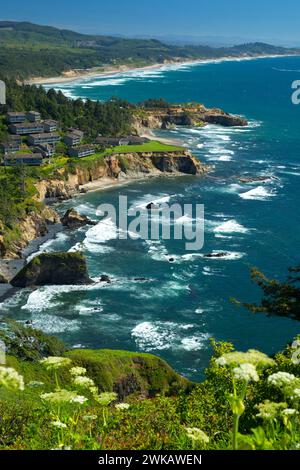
x=34, y=116
x=81, y=151
x=26, y=128
x=14, y=118
x=43, y=138
x=32, y=159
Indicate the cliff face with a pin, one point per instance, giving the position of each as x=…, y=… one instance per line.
x=33, y=225
x=196, y=115
x=65, y=186
x=121, y=166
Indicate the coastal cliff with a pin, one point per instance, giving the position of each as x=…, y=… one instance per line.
x=67, y=182
x=120, y=166
x=196, y=115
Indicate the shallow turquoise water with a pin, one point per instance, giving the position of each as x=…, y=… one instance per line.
x=182, y=304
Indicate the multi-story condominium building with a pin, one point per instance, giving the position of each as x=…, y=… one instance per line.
x=82, y=151
x=26, y=128
x=43, y=138
x=33, y=116
x=14, y=118
x=47, y=150
x=72, y=139
x=2, y=92
x=10, y=146
x=32, y=159
x=50, y=126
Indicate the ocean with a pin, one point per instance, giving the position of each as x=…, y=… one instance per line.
x=179, y=306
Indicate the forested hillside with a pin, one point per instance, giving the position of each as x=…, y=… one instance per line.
x=28, y=50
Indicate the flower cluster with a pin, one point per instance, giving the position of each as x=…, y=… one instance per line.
x=83, y=382
x=269, y=411
x=197, y=435
x=59, y=424
x=11, y=379
x=63, y=396
x=76, y=371
x=106, y=398
x=122, y=406
x=53, y=363
x=282, y=379
x=256, y=358
x=246, y=373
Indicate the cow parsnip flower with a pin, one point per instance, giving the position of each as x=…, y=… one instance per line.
x=62, y=396
x=59, y=424
x=83, y=382
x=79, y=399
x=246, y=373
x=122, y=406
x=35, y=384
x=269, y=411
x=53, y=362
x=11, y=379
x=282, y=379
x=106, y=398
x=256, y=358
x=76, y=371
x=289, y=412
x=197, y=435
x=295, y=394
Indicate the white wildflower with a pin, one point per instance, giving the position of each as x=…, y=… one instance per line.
x=256, y=358
x=281, y=379
x=78, y=371
x=11, y=379
x=53, y=362
x=197, y=435
x=83, y=382
x=290, y=412
x=59, y=424
x=246, y=373
x=296, y=394
x=270, y=410
x=221, y=361
x=35, y=384
x=106, y=398
x=62, y=396
x=79, y=399
x=122, y=406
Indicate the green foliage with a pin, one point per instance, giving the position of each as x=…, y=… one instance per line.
x=44, y=416
x=29, y=344
x=279, y=298
x=28, y=50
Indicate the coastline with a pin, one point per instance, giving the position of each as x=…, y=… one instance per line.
x=108, y=70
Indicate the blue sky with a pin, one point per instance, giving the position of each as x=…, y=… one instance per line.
x=273, y=20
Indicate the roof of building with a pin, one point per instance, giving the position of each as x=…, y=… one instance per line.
x=27, y=124
x=13, y=113
x=44, y=135
x=50, y=122
x=36, y=113
x=24, y=156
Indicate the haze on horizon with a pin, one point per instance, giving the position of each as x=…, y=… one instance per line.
x=216, y=22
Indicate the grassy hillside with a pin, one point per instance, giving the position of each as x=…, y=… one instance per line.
x=118, y=400
x=28, y=50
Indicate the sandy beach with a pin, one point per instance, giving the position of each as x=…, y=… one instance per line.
x=109, y=70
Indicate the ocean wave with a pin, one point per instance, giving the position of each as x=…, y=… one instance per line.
x=53, y=324
x=150, y=336
x=260, y=193
x=230, y=226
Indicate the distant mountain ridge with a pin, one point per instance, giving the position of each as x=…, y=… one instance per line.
x=28, y=50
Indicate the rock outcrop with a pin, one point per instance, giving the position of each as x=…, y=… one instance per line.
x=188, y=115
x=53, y=269
x=31, y=226
x=73, y=220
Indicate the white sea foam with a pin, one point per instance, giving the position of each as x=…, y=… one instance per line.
x=150, y=336
x=52, y=324
x=231, y=226
x=260, y=193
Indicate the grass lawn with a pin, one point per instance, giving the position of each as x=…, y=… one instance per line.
x=152, y=146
